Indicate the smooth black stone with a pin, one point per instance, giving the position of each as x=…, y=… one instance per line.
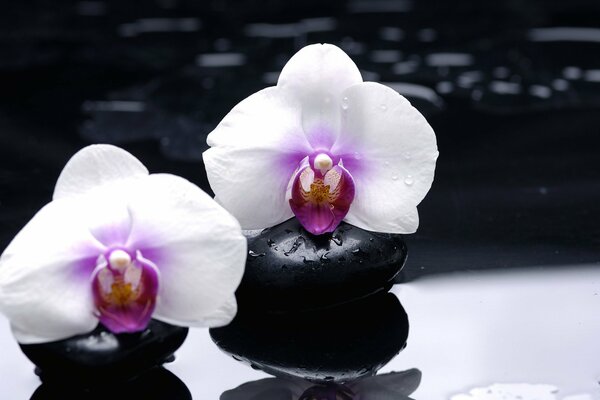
x=155, y=384
x=289, y=268
x=101, y=356
x=333, y=345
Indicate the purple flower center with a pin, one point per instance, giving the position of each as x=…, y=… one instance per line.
x=321, y=193
x=124, y=287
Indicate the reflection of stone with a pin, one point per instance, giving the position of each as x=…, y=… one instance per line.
x=289, y=268
x=333, y=345
x=391, y=386
x=156, y=384
x=93, y=359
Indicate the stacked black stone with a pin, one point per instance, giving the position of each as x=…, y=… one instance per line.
x=290, y=269
x=100, y=357
x=334, y=345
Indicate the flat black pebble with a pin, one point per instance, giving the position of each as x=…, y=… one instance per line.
x=290, y=269
x=334, y=345
x=101, y=356
x=155, y=384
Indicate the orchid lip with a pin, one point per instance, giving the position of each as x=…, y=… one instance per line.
x=321, y=196
x=124, y=291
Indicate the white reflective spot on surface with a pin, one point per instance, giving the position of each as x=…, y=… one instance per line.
x=386, y=56
x=220, y=60
x=391, y=33
x=572, y=73
x=592, y=75
x=114, y=106
x=154, y=25
x=564, y=34
x=379, y=6
x=502, y=87
x=449, y=60
x=540, y=91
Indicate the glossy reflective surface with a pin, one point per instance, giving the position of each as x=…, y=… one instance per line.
x=502, y=280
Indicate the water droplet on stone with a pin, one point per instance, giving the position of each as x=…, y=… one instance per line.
x=337, y=239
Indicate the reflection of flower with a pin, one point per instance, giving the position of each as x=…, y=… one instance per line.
x=390, y=386
x=120, y=246
x=325, y=146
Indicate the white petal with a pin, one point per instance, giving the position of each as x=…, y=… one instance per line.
x=94, y=166
x=256, y=149
x=44, y=275
x=319, y=68
x=317, y=75
x=248, y=185
x=397, y=150
x=197, y=246
x=268, y=119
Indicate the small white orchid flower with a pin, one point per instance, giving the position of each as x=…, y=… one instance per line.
x=325, y=146
x=119, y=246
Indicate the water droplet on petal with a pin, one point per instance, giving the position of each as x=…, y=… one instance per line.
x=383, y=107
x=407, y=156
x=345, y=103
x=394, y=177
x=409, y=180
x=386, y=163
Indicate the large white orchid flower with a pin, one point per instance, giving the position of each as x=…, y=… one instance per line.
x=119, y=246
x=325, y=146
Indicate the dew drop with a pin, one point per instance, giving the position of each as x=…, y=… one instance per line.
x=394, y=177
x=409, y=180
x=345, y=103
x=383, y=107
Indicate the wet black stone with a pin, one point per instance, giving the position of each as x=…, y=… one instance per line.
x=155, y=384
x=99, y=357
x=289, y=268
x=333, y=345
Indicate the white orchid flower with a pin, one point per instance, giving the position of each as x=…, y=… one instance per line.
x=325, y=146
x=119, y=246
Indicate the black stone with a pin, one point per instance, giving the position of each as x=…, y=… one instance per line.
x=100, y=356
x=289, y=268
x=329, y=345
x=155, y=384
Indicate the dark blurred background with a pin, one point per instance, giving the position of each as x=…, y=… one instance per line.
x=512, y=89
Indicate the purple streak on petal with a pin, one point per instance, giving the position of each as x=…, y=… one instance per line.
x=125, y=299
x=322, y=208
x=354, y=163
x=321, y=138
